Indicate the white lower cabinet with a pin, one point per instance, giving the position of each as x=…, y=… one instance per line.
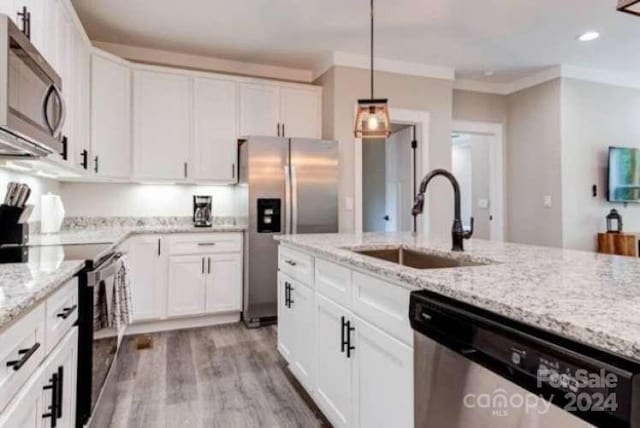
x=49, y=397
x=333, y=380
x=358, y=374
x=224, y=282
x=382, y=378
x=286, y=326
x=148, y=269
x=187, y=285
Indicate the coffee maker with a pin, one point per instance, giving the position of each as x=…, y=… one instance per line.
x=202, y=211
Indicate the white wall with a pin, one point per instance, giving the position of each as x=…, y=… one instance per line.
x=534, y=165
x=38, y=185
x=141, y=200
x=594, y=117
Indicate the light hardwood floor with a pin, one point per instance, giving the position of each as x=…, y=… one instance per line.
x=224, y=376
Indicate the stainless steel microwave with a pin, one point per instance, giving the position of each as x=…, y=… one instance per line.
x=32, y=109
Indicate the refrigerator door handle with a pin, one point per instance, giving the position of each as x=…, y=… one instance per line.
x=294, y=200
x=287, y=200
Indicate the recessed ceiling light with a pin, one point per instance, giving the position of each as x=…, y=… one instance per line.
x=488, y=73
x=589, y=36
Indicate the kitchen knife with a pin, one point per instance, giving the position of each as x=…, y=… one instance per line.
x=25, y=192
x=13, y=194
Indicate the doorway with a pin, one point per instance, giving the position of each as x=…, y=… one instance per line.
x=476, y=161
x=388, y=181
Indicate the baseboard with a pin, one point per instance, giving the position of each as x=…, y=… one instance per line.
x=181, y=323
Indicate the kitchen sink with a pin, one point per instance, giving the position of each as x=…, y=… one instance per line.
x=417, y=259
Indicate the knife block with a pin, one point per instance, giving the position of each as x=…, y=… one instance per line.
x=12, y=230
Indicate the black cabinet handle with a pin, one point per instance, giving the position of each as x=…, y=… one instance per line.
x=209, y=265
x=283, y=134
x=203, y=265
x=85, y=159
x=26, y=354
x=97, y=165
x=60, y=393
x=66, y=312
x=343, y=341
x=349, y=346
x=290, y=299
x=286, y=294
x=25, y=16
x=53, y=411
x=158, y=246
x=278, y=127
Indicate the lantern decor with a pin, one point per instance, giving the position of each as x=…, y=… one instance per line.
x=629, y=6
x=372, y=118
x=614, y=222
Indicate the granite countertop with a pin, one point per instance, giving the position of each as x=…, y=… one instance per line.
x=114, y=230
x=589, y=297
x=24, y=285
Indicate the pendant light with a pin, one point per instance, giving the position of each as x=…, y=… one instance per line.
x=629, y=6
x=372, y=118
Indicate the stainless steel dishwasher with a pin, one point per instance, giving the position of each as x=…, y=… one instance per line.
x=476, y=369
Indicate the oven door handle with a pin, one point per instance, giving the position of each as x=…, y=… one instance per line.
x=109, y=268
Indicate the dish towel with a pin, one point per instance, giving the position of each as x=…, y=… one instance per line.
x=121, y=297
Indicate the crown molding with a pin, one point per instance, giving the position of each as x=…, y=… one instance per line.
x=345, y=59
x=198, y=62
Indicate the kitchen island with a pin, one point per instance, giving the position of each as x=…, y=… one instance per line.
x=344, y=323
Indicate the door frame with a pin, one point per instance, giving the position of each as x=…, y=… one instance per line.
x=421, y=120
x=496, y=140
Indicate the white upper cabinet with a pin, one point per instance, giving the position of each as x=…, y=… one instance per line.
x=110, y=117
x=161, y=125
x=215, y=130
x=259, y=110
x=300, y=111
x=274, y=110
x=82, y=103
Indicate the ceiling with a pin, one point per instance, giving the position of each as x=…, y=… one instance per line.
x=513, y=38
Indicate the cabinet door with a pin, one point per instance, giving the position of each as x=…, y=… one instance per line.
x=148, y=277
x=27, y=407
x=224, y=283
x=286, y=328
x=215, y=130
x=382, y=378
x=161, y=125
x=110, y=117
x=300, y=112
x=259, y=110
x=187, y=283
x=304, y=356
x=82, y=103
x=62, y=366
x=65, y=54
x=333, y=387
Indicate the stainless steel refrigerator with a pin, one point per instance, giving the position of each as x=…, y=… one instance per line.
x=285, y=185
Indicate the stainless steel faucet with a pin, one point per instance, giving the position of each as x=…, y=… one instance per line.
x=458, y=235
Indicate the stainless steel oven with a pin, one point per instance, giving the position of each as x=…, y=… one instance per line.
x=32, y=107
x=98, y=342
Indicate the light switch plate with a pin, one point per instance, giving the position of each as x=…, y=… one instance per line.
x=348, y=203
x=547, y=201
x=483, y=203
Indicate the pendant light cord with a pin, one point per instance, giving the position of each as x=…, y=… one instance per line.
x=371, y=49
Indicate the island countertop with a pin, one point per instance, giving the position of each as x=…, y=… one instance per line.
x=588, y=297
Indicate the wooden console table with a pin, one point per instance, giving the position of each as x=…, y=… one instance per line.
x=622, y=244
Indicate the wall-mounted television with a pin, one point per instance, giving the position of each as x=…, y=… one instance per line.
x=624, y=174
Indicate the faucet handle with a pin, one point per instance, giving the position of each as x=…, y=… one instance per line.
x=467, y=234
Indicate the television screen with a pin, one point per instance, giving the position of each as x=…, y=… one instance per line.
x=624, y=174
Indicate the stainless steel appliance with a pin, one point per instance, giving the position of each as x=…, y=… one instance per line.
x=474, y=368
x=285, y=186
x=32, y=108
x=202, y=211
